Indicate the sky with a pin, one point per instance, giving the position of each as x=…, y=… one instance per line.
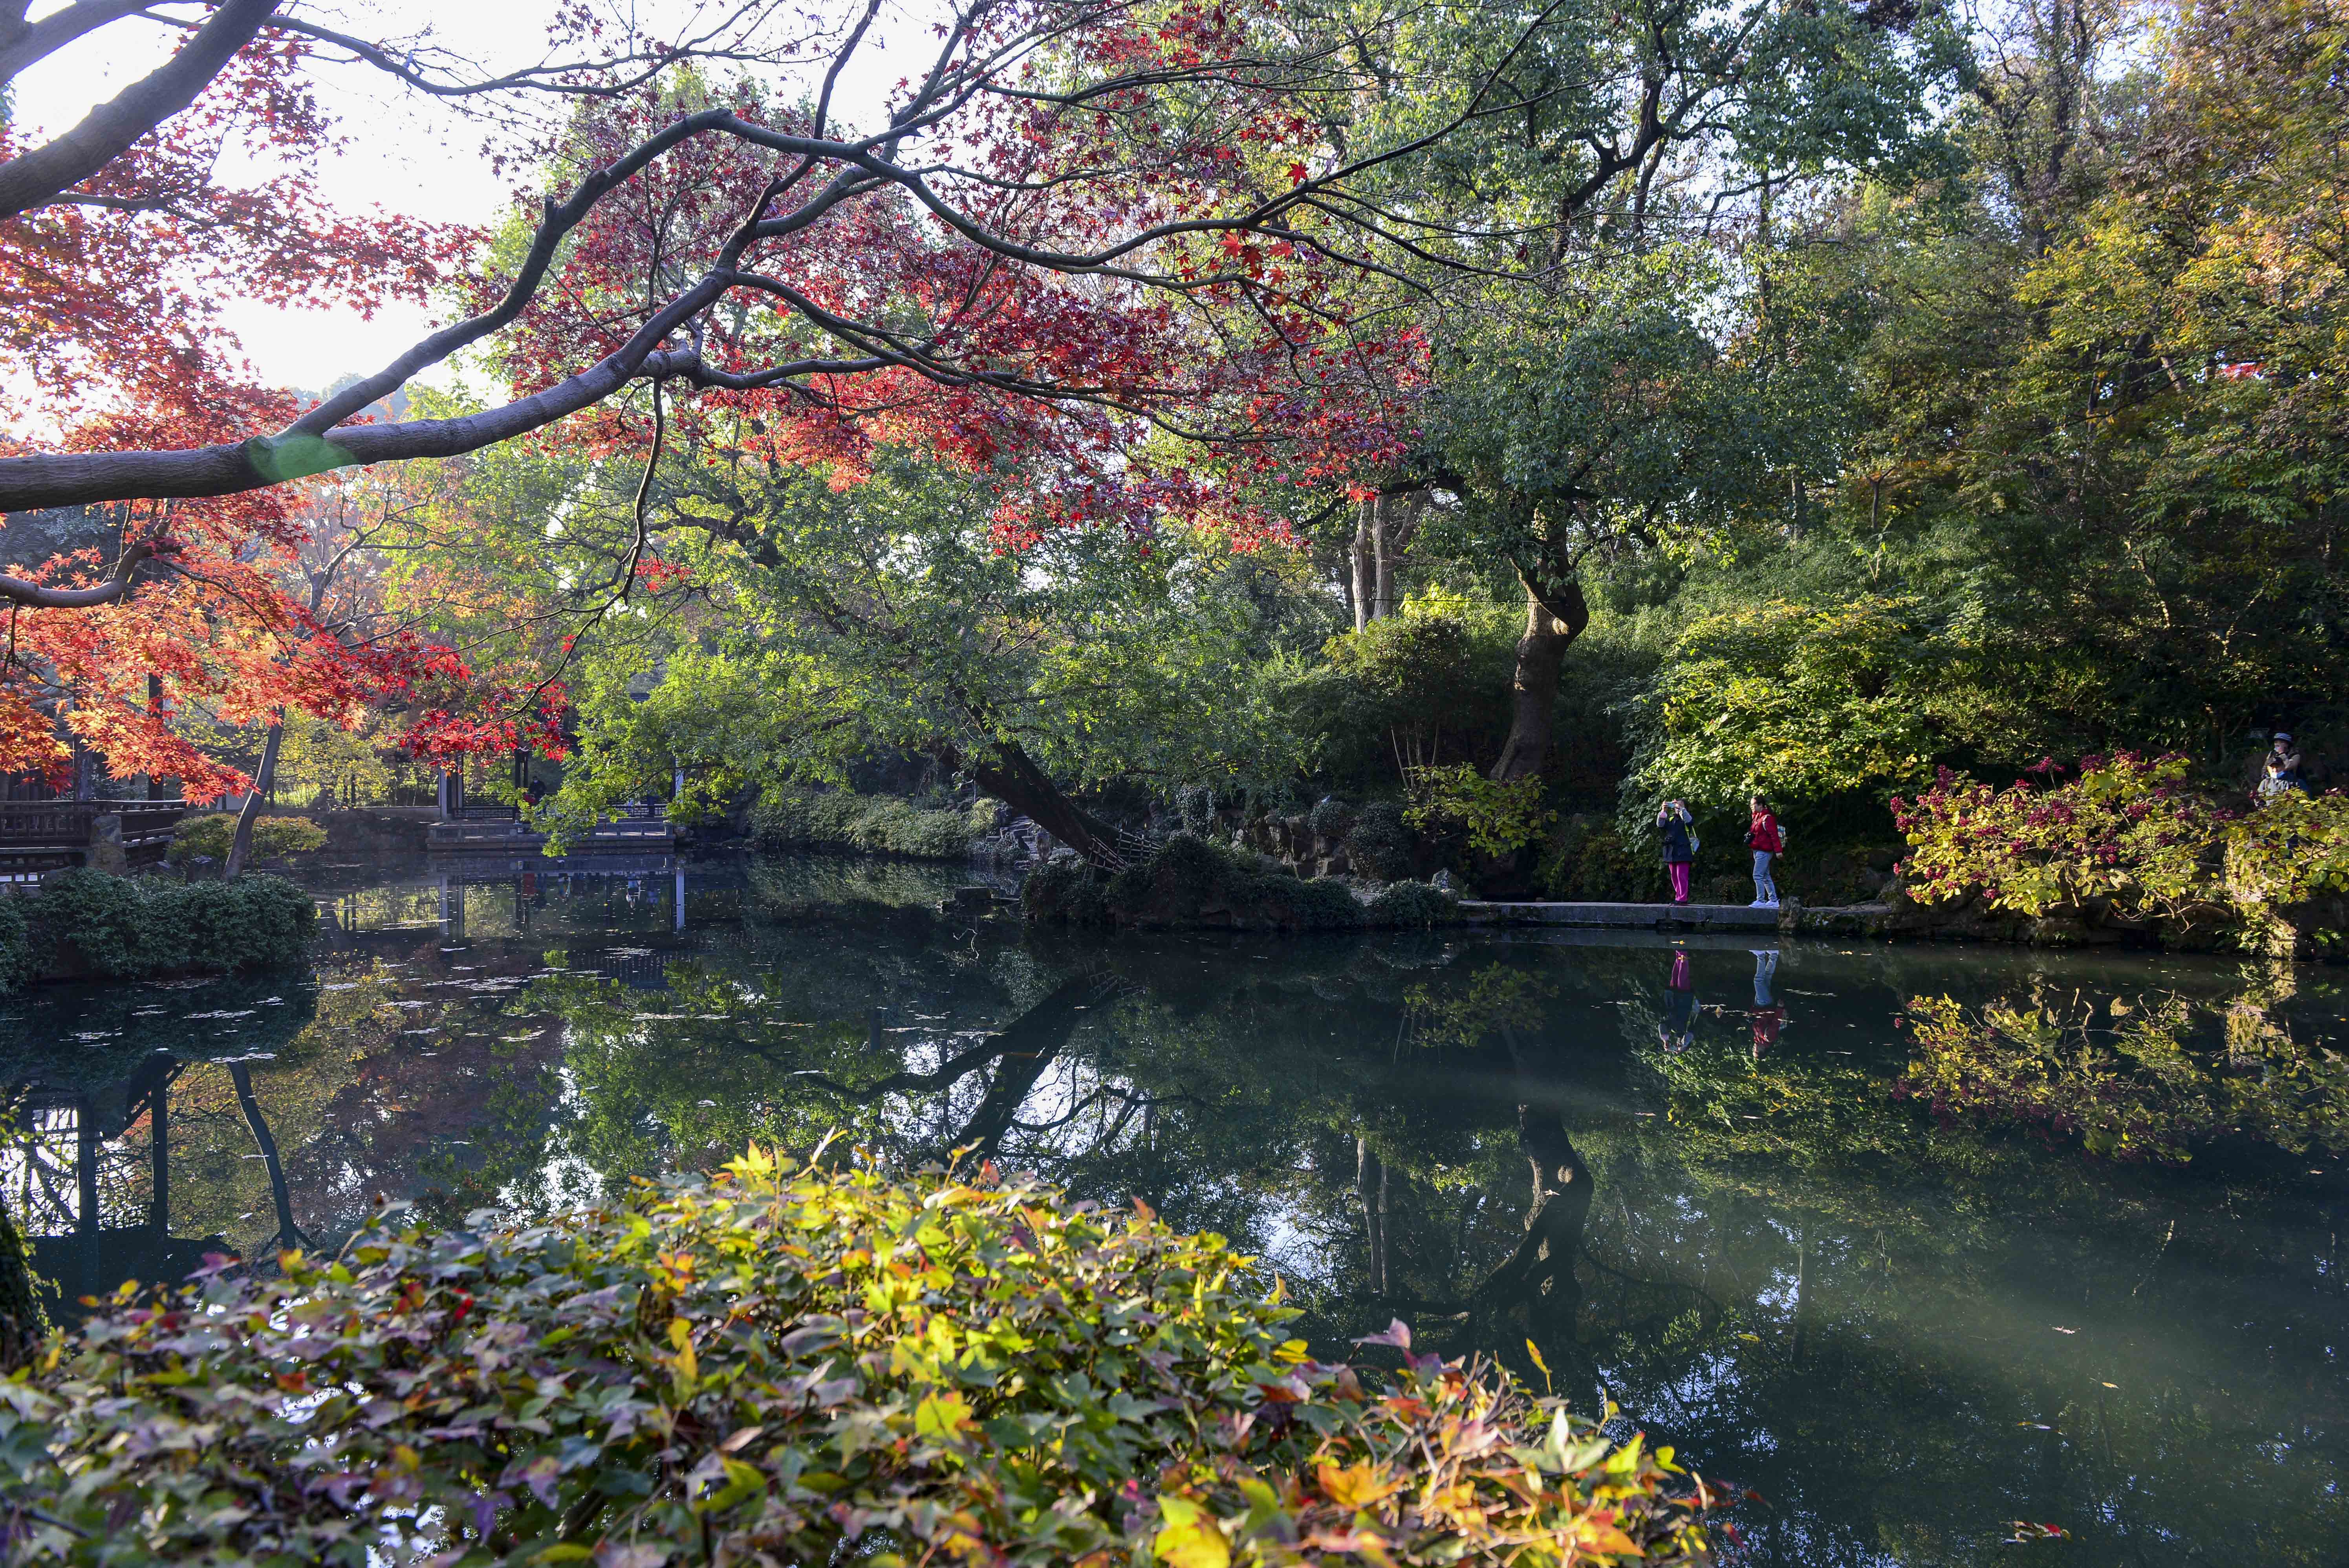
x=408, y=153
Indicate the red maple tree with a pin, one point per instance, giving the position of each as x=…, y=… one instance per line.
x=1082, y=220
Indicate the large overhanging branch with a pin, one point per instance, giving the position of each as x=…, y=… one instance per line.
x=106, y=133
x=29, y=43
x=320, y=440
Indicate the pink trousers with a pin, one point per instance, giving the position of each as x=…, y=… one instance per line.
x=1679, y=871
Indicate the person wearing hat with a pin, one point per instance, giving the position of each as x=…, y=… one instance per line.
x=2279, y=770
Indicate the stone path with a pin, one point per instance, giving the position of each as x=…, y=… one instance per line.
x=1679, y=916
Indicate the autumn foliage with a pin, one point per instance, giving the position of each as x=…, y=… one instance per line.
x=2135, y=837
x=1104, y=252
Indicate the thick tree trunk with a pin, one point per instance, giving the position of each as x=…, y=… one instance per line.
x=1383, y=530
x=1009, y=775
x=1553, y=620
x=239, y=848
x=1397, y=520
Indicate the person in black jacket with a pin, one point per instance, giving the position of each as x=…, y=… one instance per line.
x=1679, y=846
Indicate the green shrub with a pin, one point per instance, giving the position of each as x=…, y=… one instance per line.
x=1190, y=881
x=1330, y=818
x=1380, y=842
x=1499, y=818
x=1593, y=860
x=132, y=927
x=783, y=1367
x=19, y=965
x=272, y=837
x=1412, y=904
x=1323, y=904
x=1064, y=892
x=875, y=824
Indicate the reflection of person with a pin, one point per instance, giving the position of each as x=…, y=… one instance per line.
x=1678, y=1031
x=1768, y=1013
x=1679, y=846
x=1765, y=840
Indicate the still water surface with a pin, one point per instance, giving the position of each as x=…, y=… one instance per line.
x=1710, y=1184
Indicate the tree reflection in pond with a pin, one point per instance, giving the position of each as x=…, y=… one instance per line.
x=1906, y=1335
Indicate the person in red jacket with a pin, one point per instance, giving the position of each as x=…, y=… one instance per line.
x=1765, y=840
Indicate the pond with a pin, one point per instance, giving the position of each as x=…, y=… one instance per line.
x=1914, y=1242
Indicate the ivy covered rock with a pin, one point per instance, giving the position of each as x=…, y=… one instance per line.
x=793, y=1366
x=1411, y=904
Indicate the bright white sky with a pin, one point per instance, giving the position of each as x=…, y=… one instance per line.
x=408, y=153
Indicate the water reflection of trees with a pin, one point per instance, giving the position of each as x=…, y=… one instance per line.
x=1764, y=1256
x=1767, y=1257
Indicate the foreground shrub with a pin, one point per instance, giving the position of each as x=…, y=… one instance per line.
x=272, y=837
x=874, y=824
x=129, y=928
x=791, y=1368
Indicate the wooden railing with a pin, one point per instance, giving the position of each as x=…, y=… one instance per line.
x=58, y=832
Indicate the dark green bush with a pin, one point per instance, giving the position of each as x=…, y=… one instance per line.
x=1190, y=881
x=792, y=1368
x=876, y=824
x=1330, y=817
x=127, y=928
x=1324, y=904
x=1412, y=904
x=19, y=965
x=1381, y=842
x=1065, y=892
